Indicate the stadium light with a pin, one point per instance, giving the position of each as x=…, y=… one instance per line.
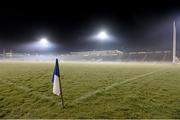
x=41, y=45
x=44, y=42
x=102, y=35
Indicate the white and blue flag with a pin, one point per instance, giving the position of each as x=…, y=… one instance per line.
x=56, y=79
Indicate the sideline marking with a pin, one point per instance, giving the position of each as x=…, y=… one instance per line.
x=112, y=86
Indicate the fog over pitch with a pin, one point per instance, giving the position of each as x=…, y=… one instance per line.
x=133, y=27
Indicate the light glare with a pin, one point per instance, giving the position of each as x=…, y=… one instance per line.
x=102, y=35
x=44, y=42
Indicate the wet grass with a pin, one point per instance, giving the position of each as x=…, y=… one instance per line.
x=26, y=90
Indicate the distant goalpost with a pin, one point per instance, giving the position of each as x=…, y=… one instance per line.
x=175, y=58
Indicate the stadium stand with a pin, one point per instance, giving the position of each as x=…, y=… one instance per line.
x=106, y=55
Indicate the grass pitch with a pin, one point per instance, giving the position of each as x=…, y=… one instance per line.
x=91, y=90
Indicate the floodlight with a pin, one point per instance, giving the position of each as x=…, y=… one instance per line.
x=102, y=35
x=44, y=42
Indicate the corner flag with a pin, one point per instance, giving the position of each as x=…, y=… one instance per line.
x=56, y=82
x=56, y=79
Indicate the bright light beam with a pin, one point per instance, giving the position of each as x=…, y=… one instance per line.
x=102, y=35
x=44, y=42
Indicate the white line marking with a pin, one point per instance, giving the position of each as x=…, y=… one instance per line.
x=111, y=86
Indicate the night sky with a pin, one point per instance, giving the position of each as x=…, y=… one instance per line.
x=134, y=26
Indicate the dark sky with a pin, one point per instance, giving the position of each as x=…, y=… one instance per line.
x=135, y=26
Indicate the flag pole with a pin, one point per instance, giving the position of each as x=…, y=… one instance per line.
x=56, y=80
x=61, y=94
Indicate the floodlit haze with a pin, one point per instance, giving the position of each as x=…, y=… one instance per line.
x=70, y=27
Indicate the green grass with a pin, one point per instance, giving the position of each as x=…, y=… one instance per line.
x=91, y=90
